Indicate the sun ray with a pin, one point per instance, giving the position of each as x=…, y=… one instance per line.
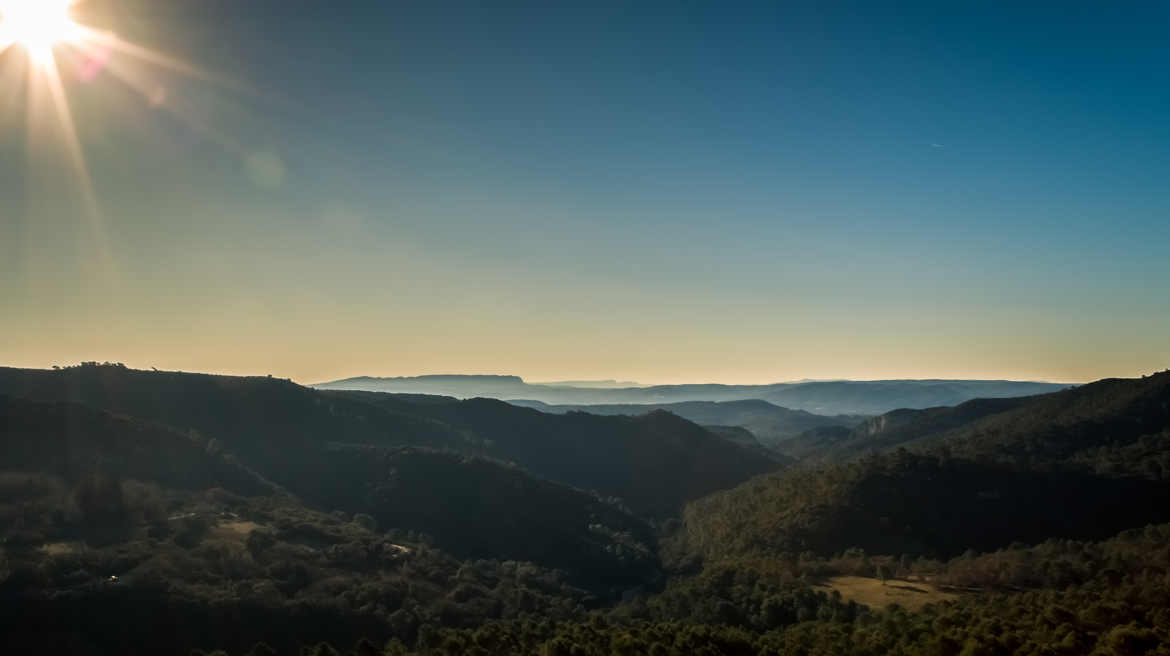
x=93, y=216
x=144, y=85
x=60, y=52
x=153, y=57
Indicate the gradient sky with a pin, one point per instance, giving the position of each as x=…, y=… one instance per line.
x=661, y=192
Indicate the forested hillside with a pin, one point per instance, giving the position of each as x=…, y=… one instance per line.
x=210, y=568
x=923, y=505
x=1085, y=462
x=653, y=464
x=471, y=507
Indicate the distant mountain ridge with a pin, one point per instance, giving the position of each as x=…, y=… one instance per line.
x=595, y=384
x=820, y=397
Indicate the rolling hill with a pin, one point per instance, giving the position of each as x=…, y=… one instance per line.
x=654, y=463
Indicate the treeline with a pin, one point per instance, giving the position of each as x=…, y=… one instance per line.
x=1125, y=621
x=1106, y=598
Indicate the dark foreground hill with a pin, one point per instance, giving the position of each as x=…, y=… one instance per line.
x=821, y=397
x=1084, y=462
x=211, y=569
x=476, y=508
x=469, y=506
x=770, y=423
x=654, y=464
x=69, y=441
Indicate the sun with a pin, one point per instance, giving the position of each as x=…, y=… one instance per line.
x=38, y=25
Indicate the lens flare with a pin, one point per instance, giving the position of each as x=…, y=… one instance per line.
x=38, y=25
x=63, y=51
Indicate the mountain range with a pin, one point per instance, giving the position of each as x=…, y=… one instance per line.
x=820, y=397
x=653, y=463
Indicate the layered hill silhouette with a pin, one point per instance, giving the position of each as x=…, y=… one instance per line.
x=654, y=462
x=821, y=397
x=1081, y=463
x=769, y=423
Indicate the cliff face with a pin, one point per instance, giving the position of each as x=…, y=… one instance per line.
x=882, y=424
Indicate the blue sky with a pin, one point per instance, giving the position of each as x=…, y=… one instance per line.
x=738, y=192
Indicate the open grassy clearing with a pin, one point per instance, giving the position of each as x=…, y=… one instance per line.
x=912, y=595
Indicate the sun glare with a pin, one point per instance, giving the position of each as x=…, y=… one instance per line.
x=62, y=53
x=38, y=25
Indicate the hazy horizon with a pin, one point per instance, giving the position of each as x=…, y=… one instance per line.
x=697, y=379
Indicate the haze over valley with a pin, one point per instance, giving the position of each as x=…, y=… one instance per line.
x=823, y=397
